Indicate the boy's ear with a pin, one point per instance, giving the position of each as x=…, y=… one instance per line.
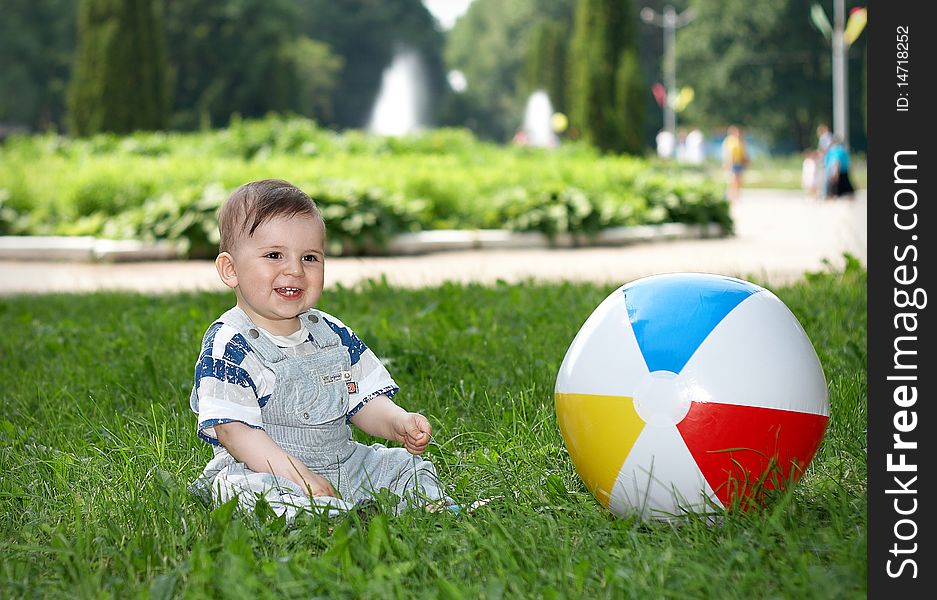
x=224, y=264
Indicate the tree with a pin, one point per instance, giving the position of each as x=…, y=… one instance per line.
x=545, y=64
x=767, y=69
x=120, y=81
x=37, y=40
x=232, y=57
x=605, y=88
x=490, y=46
x=629, y=98
x=317, y=71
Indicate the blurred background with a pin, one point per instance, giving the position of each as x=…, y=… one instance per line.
x=123, y=81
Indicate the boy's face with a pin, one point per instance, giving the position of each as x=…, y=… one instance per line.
x=278, y=272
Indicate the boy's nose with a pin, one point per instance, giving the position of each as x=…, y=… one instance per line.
x=293, y=267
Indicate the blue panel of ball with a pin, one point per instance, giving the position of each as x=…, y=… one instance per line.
x=671, y=316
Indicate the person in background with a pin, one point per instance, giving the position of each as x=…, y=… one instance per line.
x=665, y=144
x=694, y=147
x=836, y=168
x=808, y=174
x=824, y=139
x=734, y=160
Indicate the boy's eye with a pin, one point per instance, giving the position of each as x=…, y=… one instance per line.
x=310, y=258
x=273, y=255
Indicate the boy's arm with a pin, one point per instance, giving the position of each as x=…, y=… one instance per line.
x=260, y=453
x=380, y=417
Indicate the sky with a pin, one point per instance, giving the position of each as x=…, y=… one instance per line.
x=447, y=11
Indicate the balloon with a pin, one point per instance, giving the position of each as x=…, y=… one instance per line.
x=683, y=99
x=660, y=93
x=559, y=122
x=855, y=24
x=820, y=21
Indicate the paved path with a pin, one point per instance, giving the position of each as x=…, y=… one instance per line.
x=779, y=236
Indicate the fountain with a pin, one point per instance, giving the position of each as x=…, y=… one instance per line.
x=401, y=104
x=538, y=126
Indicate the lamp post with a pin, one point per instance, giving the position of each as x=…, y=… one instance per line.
x=841, y=34
x=669, y=21
x=840, y=72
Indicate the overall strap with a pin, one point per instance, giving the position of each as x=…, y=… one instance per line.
x=264, y=346
x=322, y=335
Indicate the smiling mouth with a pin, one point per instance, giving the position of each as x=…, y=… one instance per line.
x=289, y=292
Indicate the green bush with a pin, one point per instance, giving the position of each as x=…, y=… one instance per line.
x=188, y=217
x=684, y=202
x=565, y=210
x=168, y=185
x=362, y=221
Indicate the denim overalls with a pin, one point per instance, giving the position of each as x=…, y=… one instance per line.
x=306, y=416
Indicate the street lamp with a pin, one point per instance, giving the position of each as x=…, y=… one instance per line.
x=669, y=20
x=841, y=34
x=840, y=73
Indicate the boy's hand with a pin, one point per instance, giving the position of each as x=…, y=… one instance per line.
x=316, y=485
x=382, y=418
x=259, y=452
x=413, y=431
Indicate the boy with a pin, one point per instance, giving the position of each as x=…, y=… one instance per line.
x=277, y=381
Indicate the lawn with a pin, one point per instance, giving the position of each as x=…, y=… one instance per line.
x=97, y=444
x=779, y=172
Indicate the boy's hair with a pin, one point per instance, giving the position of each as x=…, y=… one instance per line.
x=256, y=202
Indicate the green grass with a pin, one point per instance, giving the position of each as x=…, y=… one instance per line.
x=97, y=444
x=784, y=173
x=776, y=172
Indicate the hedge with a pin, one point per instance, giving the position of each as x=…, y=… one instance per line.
x=168, y=186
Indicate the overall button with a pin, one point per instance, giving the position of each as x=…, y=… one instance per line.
x=253, y=333
x=306, y=416
x=313, y=319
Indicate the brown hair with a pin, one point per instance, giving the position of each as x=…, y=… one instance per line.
x=254, y=203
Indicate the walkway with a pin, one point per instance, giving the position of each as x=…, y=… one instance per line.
x=779, y=236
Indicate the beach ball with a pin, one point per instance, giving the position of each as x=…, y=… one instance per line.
x=690, y=392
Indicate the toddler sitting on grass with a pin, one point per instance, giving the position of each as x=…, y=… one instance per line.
x=277, y=382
